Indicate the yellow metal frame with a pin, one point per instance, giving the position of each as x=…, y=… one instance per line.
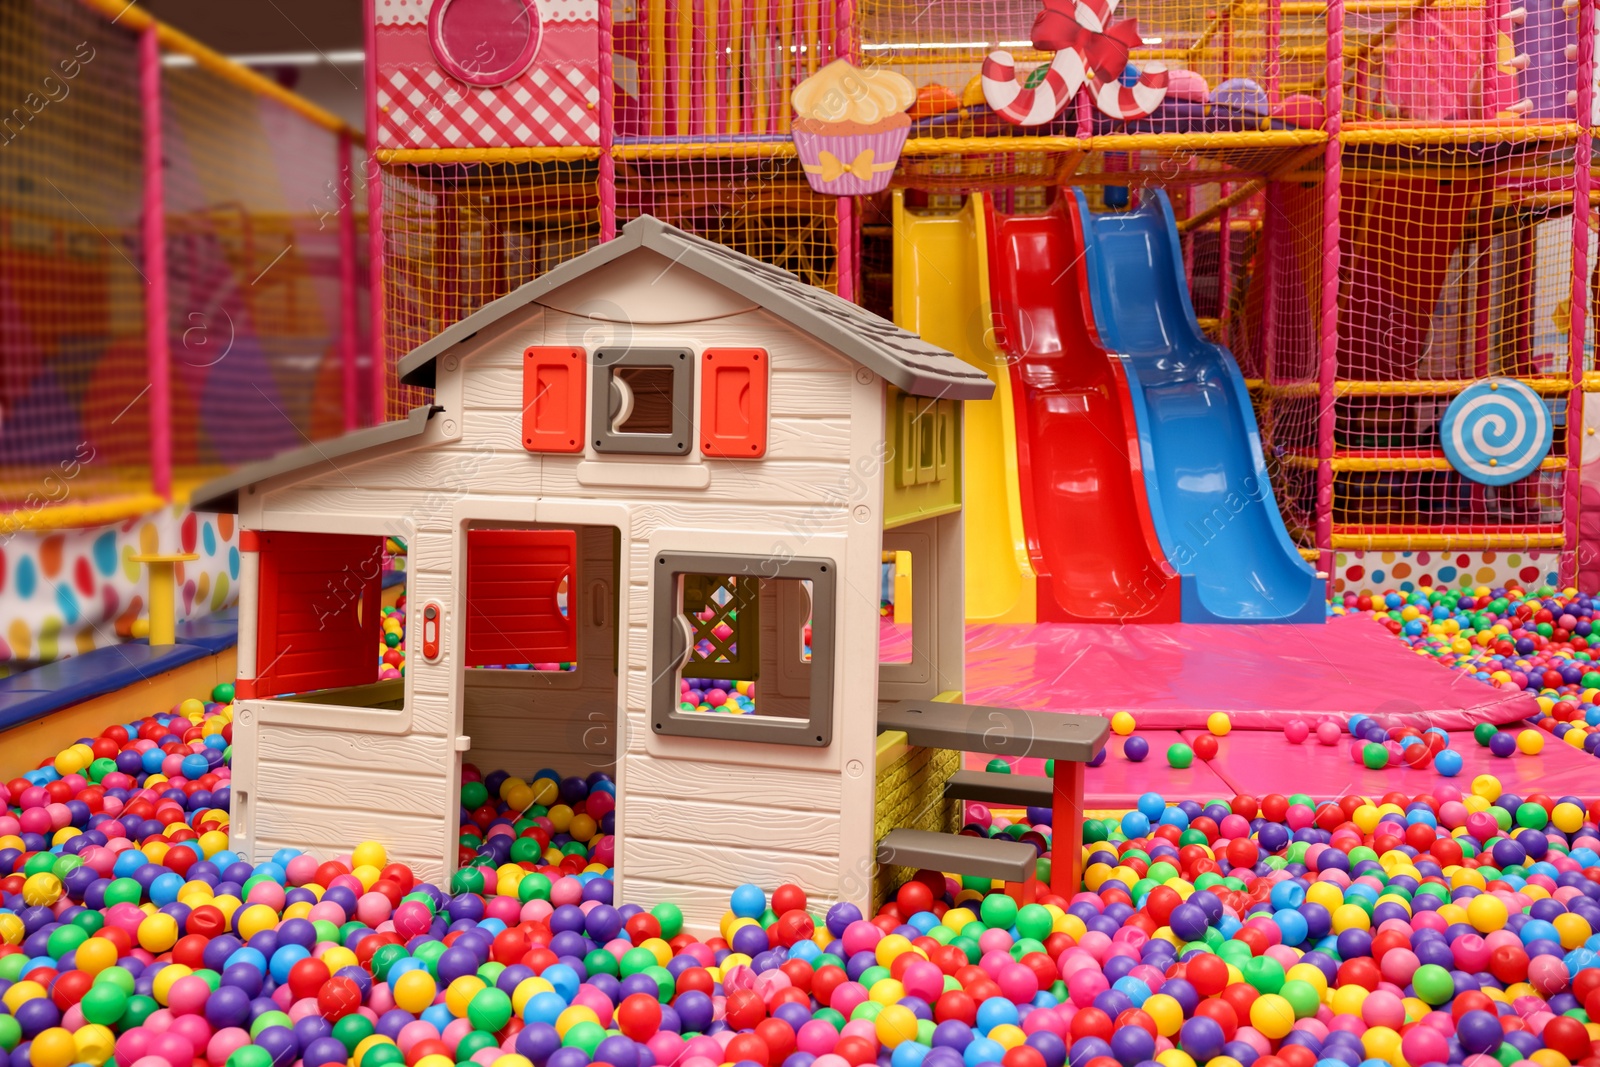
x=1447, y=542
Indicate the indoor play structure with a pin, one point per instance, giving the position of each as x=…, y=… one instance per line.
x=669, y=745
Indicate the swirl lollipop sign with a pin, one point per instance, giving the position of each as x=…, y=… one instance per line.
x=1496, y=432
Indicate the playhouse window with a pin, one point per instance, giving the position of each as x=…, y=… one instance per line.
x=319, y=619
x=640, y=401
x=895, y=620
x=744, y=648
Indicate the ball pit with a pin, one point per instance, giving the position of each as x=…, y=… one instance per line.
x=1539, y=642
x=1451, y=927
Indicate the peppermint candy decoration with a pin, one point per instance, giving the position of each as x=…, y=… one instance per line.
x=1496, y=432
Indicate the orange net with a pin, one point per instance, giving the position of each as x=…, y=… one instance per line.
x=74, y=421
x=457, y=235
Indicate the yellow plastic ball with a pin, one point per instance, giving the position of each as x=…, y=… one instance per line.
x=1381, y=1043
x=889, y=948
x=256, y=918
x=1568, y=818
x=42, y=888
x=20, y=993
x=1176, y=1057
x=526, y=990
x=1574, y=930
x=370, y=854
x=436, y=1059
x=896, y=1024
x=1486, y=913
x=561, y=818
x=1272, y=1016
x=511, y=1059
x=1530, y=742
x=53, y=1048
x=1347, y=1000
x=1486, y=786
x=583, y=827
x=1007, y=1036
x=95, y=955
x=1549, y=1057
x=545, y=791
x=1123, y=724
x=1166, y=1011
x=158, y=932
x=94, y=1043
x=414, y=991
x=1350, y=917
x=570, y=1017
x=886, y=991
x=1219, y=724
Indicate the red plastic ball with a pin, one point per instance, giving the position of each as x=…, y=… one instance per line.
x=745, y=1009
x=307, y=977
x=337, y=998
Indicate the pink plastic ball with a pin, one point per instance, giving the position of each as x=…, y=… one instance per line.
x=1327, y=733
x=1019, y=984
x=188, y=995
x=1382, y=1008
x=816, y=1037
x=1295, y=731
x=1424, y=1044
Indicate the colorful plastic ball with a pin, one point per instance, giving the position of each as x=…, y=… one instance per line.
x=1530, y=742
x=1328, y=733
x=1123, y=724
x=1295, y=731
x=1448, y=762
x=1206, y=747
x=1135, y=749
x=1179, y=755
x=1219, y=724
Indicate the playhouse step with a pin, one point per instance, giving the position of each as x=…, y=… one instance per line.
x=997, y=731
x=981, y=857
x=991, y=788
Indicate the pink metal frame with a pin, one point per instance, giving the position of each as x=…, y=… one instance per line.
x=348, y=341
x=1328, y=319
x=1582, y=158
x=380, y=354
x=155, y=267
x=606, y=179
x=844, y=46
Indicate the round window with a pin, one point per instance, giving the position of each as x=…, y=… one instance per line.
x=484, y=42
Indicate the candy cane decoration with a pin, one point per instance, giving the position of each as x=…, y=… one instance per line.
x=1136, y=101
x=1037, y=106
x=1090, y=49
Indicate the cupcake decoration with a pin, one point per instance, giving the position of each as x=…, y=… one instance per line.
x=849, y=127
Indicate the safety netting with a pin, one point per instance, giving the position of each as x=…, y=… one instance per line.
x=74, y=423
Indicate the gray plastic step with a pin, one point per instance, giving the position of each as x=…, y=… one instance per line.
x=981, y=857
x=1024, y=790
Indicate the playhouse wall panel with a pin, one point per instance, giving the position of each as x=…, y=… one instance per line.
x=348, y=752
x=708, y=872
x=731, y=783
x=793, y=524
x=277, y=778
x=743, y=825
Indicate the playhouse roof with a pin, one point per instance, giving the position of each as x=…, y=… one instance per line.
x=222, y=494
x=902, y=358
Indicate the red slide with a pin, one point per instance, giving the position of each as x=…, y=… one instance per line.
x=1082, y=482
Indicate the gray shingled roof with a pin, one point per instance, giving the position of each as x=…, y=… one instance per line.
x=902, y=358
x=222, y=494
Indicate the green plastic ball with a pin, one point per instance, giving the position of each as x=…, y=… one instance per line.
x=1482, y=733
x=1433, y=984
x=998, y=911
x=671, y=919
x=474, y=795
x=222, y=692
x=997, y=766
x=585, y=1035
x=256, y=1056
x=104, y=1003
x=1531, y=815
x=1179, y=755
x=534, y=886
x=489, y=1010
x=1374, y=757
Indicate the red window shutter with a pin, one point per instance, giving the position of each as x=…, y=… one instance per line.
x=733, y=403
x=319, y=611
x=513, y=614
x=553, y=399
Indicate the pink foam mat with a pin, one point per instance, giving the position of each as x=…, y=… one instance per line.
x=1173, y=676
x=1119, y=782
x=1260, y=761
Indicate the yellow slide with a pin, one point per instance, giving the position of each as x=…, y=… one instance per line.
x=941, y=291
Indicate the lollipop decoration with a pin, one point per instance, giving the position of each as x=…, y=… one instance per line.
x=1496, y=432
x=1090, y=49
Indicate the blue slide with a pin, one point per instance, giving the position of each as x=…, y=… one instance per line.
x=1210, y=496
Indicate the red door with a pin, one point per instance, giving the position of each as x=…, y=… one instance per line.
x=515, y=610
